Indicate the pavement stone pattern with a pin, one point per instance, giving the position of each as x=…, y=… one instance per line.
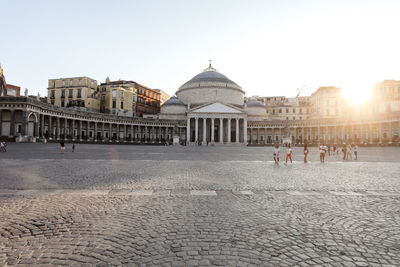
x=177, y=206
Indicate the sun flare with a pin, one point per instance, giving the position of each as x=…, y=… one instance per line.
x=356, y=93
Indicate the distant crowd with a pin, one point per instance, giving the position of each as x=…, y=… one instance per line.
x=349, y=152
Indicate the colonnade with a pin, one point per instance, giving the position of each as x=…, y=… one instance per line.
x=205, y=130
x=363, y=133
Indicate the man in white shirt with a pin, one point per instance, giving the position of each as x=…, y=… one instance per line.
x=322, y=150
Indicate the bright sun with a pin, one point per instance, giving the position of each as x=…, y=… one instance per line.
x=356, y=93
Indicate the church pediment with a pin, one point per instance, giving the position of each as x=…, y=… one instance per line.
x=216, y=108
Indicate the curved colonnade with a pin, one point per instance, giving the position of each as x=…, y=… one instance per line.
x=29, y=119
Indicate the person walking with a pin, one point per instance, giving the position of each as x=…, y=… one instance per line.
x=3, y=146
x=322, y=153
x=289, y=152
x=349, y=153
x=73, y=147
x=355, y=152
x=344, y=150
x=62, y=144
x=276, y=153
x=305, y=153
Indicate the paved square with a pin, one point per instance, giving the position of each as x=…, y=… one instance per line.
x=177, y=206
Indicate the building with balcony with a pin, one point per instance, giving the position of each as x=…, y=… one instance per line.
x=118, y=98
x=77, y=91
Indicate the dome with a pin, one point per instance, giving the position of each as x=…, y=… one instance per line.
x=209, y=75
x=210, y=86
x=173, y=101
x=254, y=103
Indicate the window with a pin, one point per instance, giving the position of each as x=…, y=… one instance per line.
x=114, y=93
x=287, y=118
x=63, y=83
x=53, y=84
x=104, y=89
x=114, y=104
x=122, y=94
x=294, y=118
x=53, y=93
x=70, y=91
x=80, y=81
x=52, y=102
x=79, y=92
x=294, y=110
x=301, y=118
x=287, y=110
x=122, y=105
x=70, y=82
x=63, y=93
x=92, y=84
x=280, y=110
x=62, y=103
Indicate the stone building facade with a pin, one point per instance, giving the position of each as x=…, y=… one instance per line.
x=209, y=109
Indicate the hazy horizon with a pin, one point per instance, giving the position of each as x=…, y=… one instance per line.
x=267, y=47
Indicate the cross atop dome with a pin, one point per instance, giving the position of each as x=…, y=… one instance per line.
x=210, y=68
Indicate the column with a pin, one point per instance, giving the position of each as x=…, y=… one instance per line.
x=390, y=132
x=221, y=130
x=131, y=139
x=87, y=130
x=65, y=129
x=36, y=132
x=258, y=135
x=370, y=133
x=319, y=135
x=212, y=130
x=328, y=137
x=1, y=121
x=110, y=132
x=80, y=130
x=380, y=132
x=343, y=133
x=295, y=135
x=73, y=130
x=302, y=136
x=125, y=133
x=280, y=136
x=102, y=131
x=24, y=128
x=204, y=131
x=50, y=128
x=95, y=131
x=12, y=123
x=187, y=131
x=336, y=139
x=237, y=131
x=58, y=128
x=229, y=130
x=41, y=125
x=152, y=134
x=196, y=131
x=245, y=131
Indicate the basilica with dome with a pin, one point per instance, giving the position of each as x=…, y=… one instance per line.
x=214, y=109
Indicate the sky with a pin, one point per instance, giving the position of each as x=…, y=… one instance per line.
x=269, y=48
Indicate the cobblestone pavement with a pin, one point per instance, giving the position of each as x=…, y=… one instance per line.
x=173, y=206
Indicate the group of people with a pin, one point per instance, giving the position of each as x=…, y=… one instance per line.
x=3, y=146
x=347, y=151
x=62, y=145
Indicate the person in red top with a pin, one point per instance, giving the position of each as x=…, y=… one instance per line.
x=289, y=152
